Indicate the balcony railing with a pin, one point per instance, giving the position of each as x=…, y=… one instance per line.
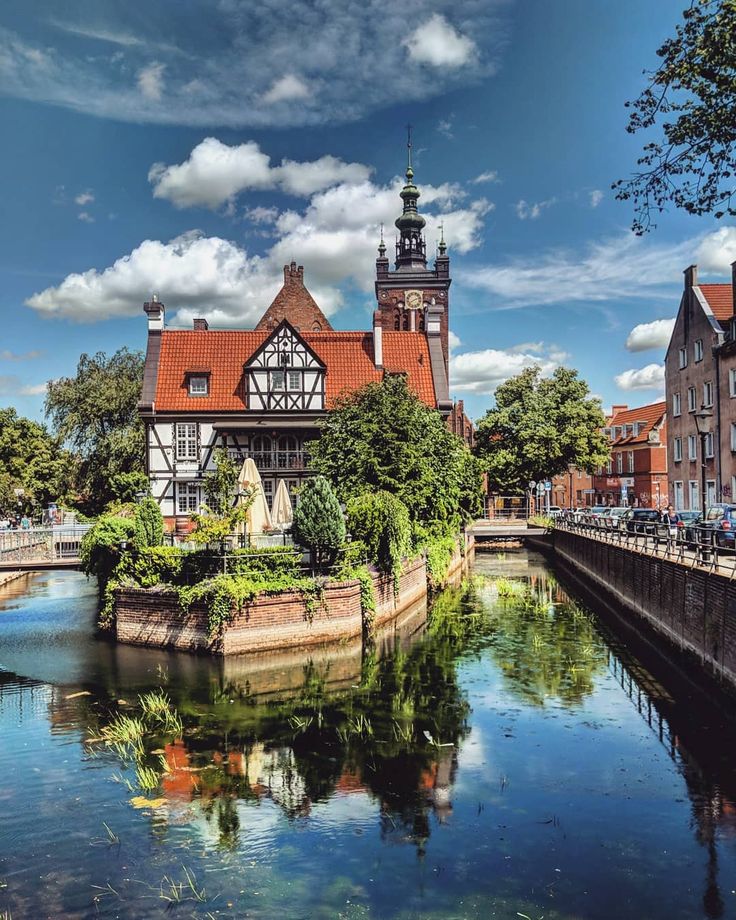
x=277, y=460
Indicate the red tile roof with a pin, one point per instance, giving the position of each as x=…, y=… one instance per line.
x=295, y=304
x=650, y=415
x=720, y=300
x=348, y=357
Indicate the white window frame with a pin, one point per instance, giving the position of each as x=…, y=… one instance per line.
x=679, y=495
x=187, y=497
x=692, y=447
x=709, y=445
x=609, y=466
x=707, y=393
x=676, y=404
x=693, y=495
x=710, y=492
x=294, y=380
x=732, y=382
x=619, y=462
x=683, y=358
x=631, y=461
x=187, y=438
x=692, y=399
x=733, y=436
x=677, y=450
x=698, y=350
x=199, y=385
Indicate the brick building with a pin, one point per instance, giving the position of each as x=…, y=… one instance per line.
x=700, y=373
x=262, y=392
x=636, y=473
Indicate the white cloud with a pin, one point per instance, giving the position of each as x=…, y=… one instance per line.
x=444, y=126
x=656, y=334
x=84, y=198
x=717, y=250
x=335, y=236
x=215, y=173
x=623, y=268
x=287, y=89
x=596, y=196
x=191, y=271
x=483, y=371
x=650, y=377
x=249, y=65
x=10, y=385
x=151, y=81
x=438, y=43
x=7, y=355
x=33, y=389
x=85, y=217
x=531, y=211
x=453, y=340
x=490, y=176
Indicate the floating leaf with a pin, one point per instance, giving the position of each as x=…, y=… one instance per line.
x=140, y=801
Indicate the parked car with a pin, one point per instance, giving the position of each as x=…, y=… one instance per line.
x=688, y=522
x=596, y=509
x=554, y=511
x=614, y=515
x=722, y=519
x=641, y=520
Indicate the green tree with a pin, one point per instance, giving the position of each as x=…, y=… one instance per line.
x=318, y=522
x=381, y=522
x=149, y=524
x=691, y=98
x=96, y=413
x=383, y=437
x=538, y=428
x=220, y=515
x=33, y=461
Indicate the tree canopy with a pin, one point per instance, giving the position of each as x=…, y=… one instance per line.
x=95, y=413
x=32, y=460
x=318, y=521
x=538, y=428
x=691, y=98
x=383, y=437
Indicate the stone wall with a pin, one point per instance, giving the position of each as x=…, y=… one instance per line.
x=693, y=609
x=154, y=617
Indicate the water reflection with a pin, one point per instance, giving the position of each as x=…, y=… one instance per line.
x=282, y=758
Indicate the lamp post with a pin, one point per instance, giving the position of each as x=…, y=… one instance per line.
x=702, y=424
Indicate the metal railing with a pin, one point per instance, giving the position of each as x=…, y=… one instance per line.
x=42, y=544
x=277, y=459
x=692, y=544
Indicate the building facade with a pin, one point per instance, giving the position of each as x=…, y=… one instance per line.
x=262, y=392
x=700, y=374
x=636, y=472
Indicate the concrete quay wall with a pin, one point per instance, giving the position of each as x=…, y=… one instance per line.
x=694, y=610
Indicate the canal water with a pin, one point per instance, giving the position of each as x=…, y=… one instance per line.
x=502, y=756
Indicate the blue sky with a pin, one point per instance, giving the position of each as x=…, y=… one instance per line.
x=193, y=149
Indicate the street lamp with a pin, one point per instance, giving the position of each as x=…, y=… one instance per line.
x=702, y=424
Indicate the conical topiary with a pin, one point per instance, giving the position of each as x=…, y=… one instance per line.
x=319, y=525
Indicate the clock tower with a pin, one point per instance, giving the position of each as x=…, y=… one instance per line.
x=412, y=297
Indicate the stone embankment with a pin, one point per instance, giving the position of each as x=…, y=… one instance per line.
x=693, y=609
x=150, y=616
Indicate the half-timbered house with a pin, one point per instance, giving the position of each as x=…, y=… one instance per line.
x=262, y=392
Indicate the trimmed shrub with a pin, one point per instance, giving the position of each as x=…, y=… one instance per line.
x=318, y=522
x=149, y=524
x=381, y=522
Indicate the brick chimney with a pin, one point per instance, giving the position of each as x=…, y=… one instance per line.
x=201, y=324
x=377, y=340
x=155, y=312
x=691, y=276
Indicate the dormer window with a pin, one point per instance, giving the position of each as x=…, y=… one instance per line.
x=277, y=380
x=198, y=384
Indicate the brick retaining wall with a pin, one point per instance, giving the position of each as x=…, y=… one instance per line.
x=154, y=617
x=693, y=609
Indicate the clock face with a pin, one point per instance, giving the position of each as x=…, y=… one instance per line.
x=413, y=299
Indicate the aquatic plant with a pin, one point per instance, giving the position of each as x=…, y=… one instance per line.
x=174, y=892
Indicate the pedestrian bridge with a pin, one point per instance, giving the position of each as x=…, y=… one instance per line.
x=40, y=548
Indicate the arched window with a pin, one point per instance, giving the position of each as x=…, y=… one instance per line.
x=405, y=324
x=288, y=452
x=260, y=448
x=397, y=320
x=316, y=327
x=421, y=322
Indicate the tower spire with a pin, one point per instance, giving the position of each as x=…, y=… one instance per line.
x=410, y=247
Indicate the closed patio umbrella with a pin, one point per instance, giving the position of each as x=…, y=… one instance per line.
x=282, y=513
x=258, y=518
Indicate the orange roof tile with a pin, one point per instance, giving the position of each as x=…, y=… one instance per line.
x=348, y=357
x=650, y=415
x=720, y=299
